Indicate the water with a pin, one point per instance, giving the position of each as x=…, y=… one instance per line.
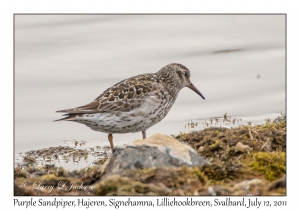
x=65, y=61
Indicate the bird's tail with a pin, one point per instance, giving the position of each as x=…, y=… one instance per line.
x=68, y=117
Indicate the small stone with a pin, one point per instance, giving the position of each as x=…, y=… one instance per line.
x=280, y=183
x=201, y=149
x=221, y=190
x=211, y=191
x=245, y=185
x=240, y=147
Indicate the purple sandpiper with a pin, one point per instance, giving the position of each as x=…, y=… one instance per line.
x=134, y=104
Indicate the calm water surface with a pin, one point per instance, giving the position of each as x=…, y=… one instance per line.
x=65, y=61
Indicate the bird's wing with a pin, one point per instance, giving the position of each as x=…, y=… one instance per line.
x=123, y=96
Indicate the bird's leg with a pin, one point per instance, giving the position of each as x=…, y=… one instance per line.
x=144, y=134
x=110, y=139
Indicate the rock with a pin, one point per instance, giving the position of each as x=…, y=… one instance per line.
x=211, y=191
x=157, y=151
x=220, y=191
x=240, y=147
x=201, y=149
x=280, y=183
x=245, y=185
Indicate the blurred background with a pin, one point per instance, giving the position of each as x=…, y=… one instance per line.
x=65, y=61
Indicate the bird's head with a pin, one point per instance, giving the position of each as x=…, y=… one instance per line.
x=179, y=75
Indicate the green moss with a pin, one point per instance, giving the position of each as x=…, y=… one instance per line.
x=117, y=185
x=181, y=136
x=155, y=181
x=200, y=175
x=271, y=164
x=53, y=180
x=90, y=168
x=216, y=145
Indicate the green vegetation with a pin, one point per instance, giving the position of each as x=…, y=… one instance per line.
x=271, y=164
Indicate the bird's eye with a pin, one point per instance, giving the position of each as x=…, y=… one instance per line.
x=186, y=74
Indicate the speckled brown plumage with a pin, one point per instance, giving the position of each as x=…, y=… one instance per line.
x=134, y=104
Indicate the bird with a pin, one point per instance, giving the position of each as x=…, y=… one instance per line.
x=134, y=104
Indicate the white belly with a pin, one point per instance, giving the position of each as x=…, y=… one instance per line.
x=140, y=119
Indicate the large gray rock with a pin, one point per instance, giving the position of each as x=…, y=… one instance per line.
x=157, y=151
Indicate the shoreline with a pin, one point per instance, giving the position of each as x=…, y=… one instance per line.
x=247, y=160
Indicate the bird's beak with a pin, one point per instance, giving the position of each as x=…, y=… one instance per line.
x=192, y=87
